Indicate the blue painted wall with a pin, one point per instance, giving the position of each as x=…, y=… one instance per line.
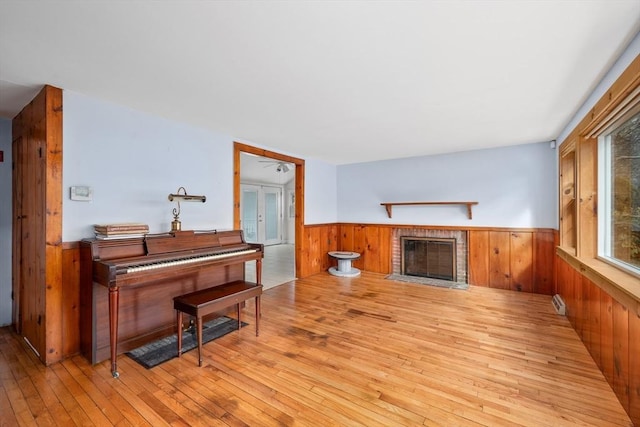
x=133, y=160
x=514, y=186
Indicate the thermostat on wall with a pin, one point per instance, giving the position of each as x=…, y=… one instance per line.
x=81, y=193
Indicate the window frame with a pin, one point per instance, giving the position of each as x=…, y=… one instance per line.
x=583, y=255
x=605, y=180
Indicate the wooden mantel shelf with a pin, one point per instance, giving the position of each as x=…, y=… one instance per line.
x=389, y=205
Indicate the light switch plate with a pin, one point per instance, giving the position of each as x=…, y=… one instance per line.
x=81, y=193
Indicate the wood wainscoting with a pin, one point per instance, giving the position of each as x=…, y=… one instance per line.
x=516, y=259
x=608, y=329
x=70, y=299
x=316, y=243
x=519, y=260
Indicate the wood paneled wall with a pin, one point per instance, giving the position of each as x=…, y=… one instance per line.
x=516, y=259
x=610, y=332
x=70, y=299
x=315, y=243
x=519, y=260
x=372, y=241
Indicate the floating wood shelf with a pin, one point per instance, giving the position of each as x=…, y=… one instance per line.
x=388, y=206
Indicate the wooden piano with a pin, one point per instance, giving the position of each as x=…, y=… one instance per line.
x=128, y=285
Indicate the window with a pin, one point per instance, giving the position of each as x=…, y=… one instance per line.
x=619, y=195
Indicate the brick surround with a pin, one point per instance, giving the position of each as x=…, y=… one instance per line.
x=461, y=247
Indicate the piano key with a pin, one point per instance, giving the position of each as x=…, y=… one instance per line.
x=188, y=260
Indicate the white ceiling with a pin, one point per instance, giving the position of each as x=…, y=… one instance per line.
x=341, y=81
x=262, y=170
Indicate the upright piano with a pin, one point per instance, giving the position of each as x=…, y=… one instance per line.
x=128, y=285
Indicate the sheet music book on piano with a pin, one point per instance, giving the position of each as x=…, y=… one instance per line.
x=121, y=228
x=118, y=236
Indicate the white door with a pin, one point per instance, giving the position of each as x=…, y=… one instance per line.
x=272, y=215
x=249, y=212
x=261, y=207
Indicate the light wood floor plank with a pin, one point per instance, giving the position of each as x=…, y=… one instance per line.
x=111, y=390
x=86, y=408
x=7, y=407
x=129, y=390
x=335, y=352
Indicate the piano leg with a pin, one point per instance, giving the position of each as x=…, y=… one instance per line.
x=259, y=271
x=259, y=281
x=199, y=326
x=179, y=321
x=239, y=316
x=114, y=295
x=258, y=314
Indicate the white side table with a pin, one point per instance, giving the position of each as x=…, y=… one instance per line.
x=344, y=264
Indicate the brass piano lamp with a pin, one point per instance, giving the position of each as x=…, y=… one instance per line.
x=181, y=195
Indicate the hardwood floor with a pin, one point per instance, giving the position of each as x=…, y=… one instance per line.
x=337, y=351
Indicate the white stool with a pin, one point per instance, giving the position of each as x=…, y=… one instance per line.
x=344, y=264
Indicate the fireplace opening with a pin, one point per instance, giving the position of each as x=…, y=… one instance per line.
x=428, y=257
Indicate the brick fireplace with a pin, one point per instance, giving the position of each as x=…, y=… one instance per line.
x=461, y=247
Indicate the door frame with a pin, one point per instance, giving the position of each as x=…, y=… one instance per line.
x=238, y=148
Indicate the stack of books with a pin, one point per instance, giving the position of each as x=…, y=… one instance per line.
x=120, y=231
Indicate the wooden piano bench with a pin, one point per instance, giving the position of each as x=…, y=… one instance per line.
x=207, y=301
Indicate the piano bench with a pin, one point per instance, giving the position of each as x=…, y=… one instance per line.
x=207, y=301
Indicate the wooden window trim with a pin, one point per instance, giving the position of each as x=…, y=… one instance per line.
x=620, y=284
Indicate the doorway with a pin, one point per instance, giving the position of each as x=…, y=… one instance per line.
x=291, y=206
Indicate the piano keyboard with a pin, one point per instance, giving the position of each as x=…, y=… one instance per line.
x=184, y=261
